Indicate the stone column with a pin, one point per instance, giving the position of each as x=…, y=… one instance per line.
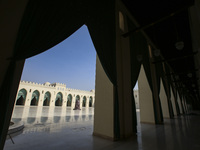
x=182, y=104
x=93, y=102
x=28, y=97
x=53, y=98
x=87, y=101
x=179, y=103
x=173, y=102
x=104, y=117
x=41, y=98
x=73, y=101
x=81, y=102
x=124, y=87
x=164, y=102
x=145, y=99
x=64, y=103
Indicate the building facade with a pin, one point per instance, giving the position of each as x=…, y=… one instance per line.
x=55, y=94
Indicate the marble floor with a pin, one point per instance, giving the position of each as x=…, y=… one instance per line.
x=65, y=129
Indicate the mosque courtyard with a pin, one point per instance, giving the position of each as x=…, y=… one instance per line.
x=50, y=128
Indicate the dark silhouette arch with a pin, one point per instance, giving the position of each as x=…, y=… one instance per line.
x=47, y=98
x=90, y=101
x=77, y=103
x=21, y=97
x=35, y=98
x=84, y=101
x=69, y=100
x=59, y=99
x=34, y=102
x=20, y=101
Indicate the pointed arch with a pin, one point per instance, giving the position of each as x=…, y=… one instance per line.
x=47, y=98
x=90, y=101
x=84, y=101
x=77, y=98
x=77, y=103
x=59, y=99
x=21, y=97
x=69, y=100
x=35, y=98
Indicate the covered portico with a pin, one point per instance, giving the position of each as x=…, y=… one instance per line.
x=163, y=39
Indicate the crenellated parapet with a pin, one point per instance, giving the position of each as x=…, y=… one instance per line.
x=36, y=84
x=58, y=84
x=55, y=94
x=80, y=91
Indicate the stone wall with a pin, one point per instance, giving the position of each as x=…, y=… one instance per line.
x=54, y=89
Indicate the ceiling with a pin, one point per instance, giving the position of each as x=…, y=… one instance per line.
x=168, y=25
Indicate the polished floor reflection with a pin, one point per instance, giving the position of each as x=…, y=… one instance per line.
x=66, y=129
x=50, y=119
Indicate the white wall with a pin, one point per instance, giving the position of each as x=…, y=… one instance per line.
x=103, y=118
x=163, y=100
x=145, y=99
x=30, y=87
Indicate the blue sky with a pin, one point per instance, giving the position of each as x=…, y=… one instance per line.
x=73, y=62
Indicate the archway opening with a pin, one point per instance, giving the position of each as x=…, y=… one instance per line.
x=58, y=102
x=84, y=101
x=90, y=102
x=34, y=102
x=47, y=98
x=46, y=102
x=21, y=97
x=72, y=65
x=69, y=100
x=59, y=99
x=35, y=98
x=77, y=103
x=20, y=101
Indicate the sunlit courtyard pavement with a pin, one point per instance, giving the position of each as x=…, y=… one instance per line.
x=60, y=128
x=48, y=127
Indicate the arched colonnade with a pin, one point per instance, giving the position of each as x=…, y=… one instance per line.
x=53, y=97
